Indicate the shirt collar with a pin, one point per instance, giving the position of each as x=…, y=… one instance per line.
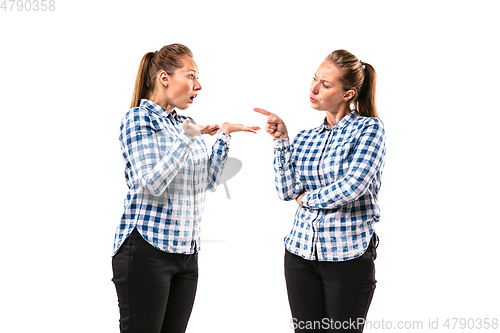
x=153, y=107
x=341, y=124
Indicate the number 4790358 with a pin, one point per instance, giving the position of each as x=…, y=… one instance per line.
x=28, y=5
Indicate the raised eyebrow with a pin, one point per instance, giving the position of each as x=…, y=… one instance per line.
x=316, y=76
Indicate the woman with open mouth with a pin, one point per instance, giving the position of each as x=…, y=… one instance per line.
x=167, y=170
x=334, y=173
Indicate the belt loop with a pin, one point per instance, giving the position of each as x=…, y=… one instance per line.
x=375, y=240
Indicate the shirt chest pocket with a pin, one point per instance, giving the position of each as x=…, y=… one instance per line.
x=337, y=160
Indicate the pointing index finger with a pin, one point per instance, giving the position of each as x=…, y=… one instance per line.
x=261, y=111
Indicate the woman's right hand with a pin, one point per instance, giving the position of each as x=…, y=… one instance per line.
x=274, y=125
x=194, y=130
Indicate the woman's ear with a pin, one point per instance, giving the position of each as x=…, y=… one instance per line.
x=164, y=78
x=349, y=94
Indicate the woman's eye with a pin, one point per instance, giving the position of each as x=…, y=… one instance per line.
x=327, y=87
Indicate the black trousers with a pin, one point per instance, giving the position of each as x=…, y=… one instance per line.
x=155, y=289
x=330, y=296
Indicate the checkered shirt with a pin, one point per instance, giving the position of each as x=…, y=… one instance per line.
x=167, y=173
x=340, y=169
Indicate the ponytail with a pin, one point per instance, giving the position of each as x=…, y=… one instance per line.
x=358, y=76
x=366, y=94
x=168, y=59
x=142, y=81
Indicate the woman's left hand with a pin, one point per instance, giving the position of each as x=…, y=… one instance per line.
x=194, y=130
x=229, y=128
x=299, y=198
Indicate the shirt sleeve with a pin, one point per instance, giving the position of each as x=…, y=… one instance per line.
x=140, y=146
x=287, y=181
x=367, y=160
x=217, y=160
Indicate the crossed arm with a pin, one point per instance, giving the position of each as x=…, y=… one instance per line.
x=367, y=160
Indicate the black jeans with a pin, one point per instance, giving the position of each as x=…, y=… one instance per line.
x=330, y=296
x=155, y=289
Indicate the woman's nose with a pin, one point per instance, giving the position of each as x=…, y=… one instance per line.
x=197, y=85
x=314, y=88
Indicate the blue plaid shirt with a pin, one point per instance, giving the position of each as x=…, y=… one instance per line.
x=340, y=169
x=167, y=173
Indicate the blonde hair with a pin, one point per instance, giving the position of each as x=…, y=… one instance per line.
x=358, y=76
x=168, y=58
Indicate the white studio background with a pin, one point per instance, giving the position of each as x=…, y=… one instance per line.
x=66, y=79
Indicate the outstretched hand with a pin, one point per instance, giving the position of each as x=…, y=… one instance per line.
x=229, y=128
x=274, y=125
x=194, y=130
